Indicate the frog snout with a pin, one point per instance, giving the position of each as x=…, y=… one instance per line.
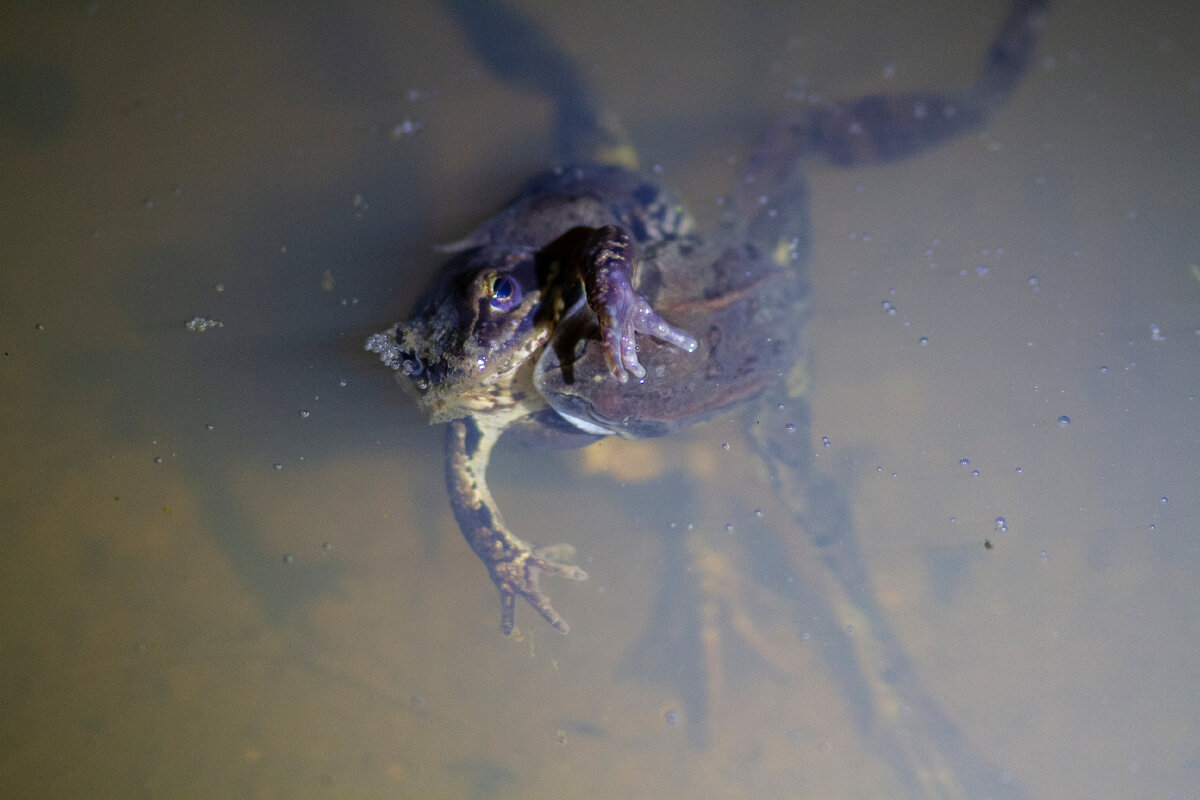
x=410, y=365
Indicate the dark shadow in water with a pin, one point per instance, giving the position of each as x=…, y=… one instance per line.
x=669, y=653
x=485, y=780
x=285, y=346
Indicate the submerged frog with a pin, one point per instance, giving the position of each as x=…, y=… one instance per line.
x=592, y=306
x=533, y=323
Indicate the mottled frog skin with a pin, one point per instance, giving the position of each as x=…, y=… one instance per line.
x=476, y=349
x=471, y=351
x=591, y=306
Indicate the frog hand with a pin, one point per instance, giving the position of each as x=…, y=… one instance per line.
x=518, y=575
x=607, y=264
x=514, y=564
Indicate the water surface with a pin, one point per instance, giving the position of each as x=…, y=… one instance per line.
x=230, y=568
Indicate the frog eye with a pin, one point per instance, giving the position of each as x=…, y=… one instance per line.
x=504, y=292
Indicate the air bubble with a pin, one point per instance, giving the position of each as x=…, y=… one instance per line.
x=1001, y=525
x=825, y=441
x=1064, y=420
x=407, y=127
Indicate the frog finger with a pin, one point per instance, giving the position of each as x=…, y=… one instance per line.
x=647, y=321
x=608, y=262
x=543, y=560
x=520, y=575
x=620, y=348
x=508, y=609
x=550, y=559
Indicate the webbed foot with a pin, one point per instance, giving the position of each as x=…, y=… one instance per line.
x=607, y=263
x=519, y=576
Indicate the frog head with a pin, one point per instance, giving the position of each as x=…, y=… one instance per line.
x=463, y=349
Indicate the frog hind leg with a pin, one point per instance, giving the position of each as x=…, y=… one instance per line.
x=883, y=128
x=514, y=565
x=768, y=202
x=895, y=713
x=520, y=53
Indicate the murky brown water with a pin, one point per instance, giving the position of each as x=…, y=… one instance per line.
x=229, y=566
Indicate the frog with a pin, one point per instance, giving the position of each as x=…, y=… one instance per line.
x=535, y=319
x=592, y=305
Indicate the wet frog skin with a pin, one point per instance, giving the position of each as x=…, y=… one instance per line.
x=538, y=310
x=470, y=351
x=592, y=306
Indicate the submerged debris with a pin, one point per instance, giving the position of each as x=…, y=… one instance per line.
x=201, y=324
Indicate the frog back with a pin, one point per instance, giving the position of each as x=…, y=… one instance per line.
x=746, y=311
x=584, y=197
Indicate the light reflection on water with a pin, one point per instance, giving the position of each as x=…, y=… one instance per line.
x=210, y=593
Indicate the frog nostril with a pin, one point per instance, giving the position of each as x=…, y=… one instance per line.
x=410, y=365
